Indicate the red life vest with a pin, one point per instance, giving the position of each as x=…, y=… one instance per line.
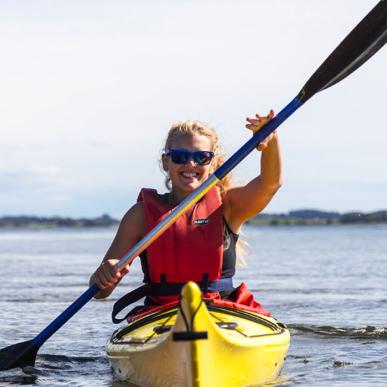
x=190, y=250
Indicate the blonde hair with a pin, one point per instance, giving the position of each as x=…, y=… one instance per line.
x=190, y=128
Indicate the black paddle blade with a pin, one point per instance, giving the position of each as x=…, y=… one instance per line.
x=18, y=355
x=363, y=41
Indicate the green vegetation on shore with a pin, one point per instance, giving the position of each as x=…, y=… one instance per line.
x=55, y=222
x=299, y=217
x=312, y=217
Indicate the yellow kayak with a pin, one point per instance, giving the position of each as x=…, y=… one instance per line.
x=199, y=345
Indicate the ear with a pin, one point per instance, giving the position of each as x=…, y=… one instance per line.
x=164, y=161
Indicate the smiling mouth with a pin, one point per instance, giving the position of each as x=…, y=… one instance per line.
x=189, y=175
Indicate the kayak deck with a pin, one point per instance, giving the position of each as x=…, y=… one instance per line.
x=199, y=345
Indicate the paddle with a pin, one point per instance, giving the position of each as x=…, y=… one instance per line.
x=363, y=42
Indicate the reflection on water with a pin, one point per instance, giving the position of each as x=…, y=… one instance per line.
x=327, y=283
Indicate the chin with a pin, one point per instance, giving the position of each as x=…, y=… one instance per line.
x=190, y=187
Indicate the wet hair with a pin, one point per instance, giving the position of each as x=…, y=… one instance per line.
x=190, y=128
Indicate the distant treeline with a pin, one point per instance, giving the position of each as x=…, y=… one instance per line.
x=299, y=217
x=306, y=217
x=55, y=221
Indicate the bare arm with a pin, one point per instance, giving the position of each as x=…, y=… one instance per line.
x=130, y=231
x=242, y=203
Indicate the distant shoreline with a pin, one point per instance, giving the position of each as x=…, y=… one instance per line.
x=298, y=217
x=35, y=222
x=317, y=217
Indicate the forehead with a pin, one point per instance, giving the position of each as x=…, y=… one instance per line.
x=191, y=142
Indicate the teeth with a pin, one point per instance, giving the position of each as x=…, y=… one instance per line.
x=189, y=174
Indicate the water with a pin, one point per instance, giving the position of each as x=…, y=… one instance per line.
x=327, y=283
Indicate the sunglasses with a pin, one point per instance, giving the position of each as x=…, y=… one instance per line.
x=181, y=156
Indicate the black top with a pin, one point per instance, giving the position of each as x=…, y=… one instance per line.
x=230, y=240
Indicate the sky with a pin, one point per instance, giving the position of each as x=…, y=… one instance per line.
x=89, y=88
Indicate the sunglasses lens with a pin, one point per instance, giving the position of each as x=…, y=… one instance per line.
x=203, y=157
x=179, y=157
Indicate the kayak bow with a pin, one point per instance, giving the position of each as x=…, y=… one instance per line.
x=199, y=345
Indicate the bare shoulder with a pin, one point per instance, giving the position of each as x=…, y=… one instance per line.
x=130, y=231
x=133, y=222
x=136, y=211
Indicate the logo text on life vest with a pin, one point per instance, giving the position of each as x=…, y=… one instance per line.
x=201, y=221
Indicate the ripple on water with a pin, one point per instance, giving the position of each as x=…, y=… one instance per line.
x=367, y=332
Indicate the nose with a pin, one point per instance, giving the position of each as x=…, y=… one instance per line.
x=191, y=161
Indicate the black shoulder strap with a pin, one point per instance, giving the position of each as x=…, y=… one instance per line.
x=130, y=298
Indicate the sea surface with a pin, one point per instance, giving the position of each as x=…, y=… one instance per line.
x=327, y=283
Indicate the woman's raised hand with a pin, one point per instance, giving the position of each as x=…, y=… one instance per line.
x=255, y=124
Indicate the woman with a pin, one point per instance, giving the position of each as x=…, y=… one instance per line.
x=200, y=246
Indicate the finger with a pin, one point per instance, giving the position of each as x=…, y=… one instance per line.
x=251, y=120
x=112, y=273
x=109, y=271
x=108, y=279
x=100, y=281
x=259, y=118
x=112, y=279
x=267, y=117
x=256, y=121
x=106, y=275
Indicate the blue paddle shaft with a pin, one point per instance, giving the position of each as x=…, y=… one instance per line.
x=66, y=315
x=219, y=173
x=265, y=131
